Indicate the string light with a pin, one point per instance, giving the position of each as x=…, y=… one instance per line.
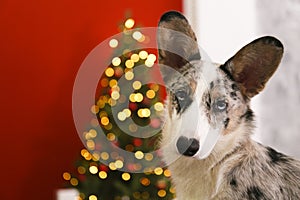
x=113, y=43
x=143, y=54
x=139, y=155
x=129, y=75
x=158, y=106
x=90, y=144
x=93, y=197
x=161, y=193
x=81, y=170
x=119, y=164
x=104, y=156
x=167, y=173
x=158, y=171
x=144, y=112
x=93, y=169
x=148, y=156
x=136, y=85
x=150, y=94
x=109, y=72
x=129, y=63
x=115, y=95
x=104, y=121
x=102, y=174
x=74, y=181
x=137, y=35
x=149, y=63
x=121, y=116
x=129, y=23
x=135, y=57
x=125, y=176
x=67, y=176
x=145, y=181
x=111, y=136
x=116, y=61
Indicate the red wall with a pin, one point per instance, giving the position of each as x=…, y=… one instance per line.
x=42, y=44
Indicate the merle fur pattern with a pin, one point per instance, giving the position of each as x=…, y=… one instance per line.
x=237, y=168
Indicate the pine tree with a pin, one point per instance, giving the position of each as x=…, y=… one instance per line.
x=128, y=113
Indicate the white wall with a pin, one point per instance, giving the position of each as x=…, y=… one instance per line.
x=223, y=27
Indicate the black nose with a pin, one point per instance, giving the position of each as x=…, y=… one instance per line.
x=187, y=147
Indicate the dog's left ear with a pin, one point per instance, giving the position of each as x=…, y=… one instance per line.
x=253, y=65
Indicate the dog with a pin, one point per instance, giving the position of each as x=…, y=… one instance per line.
x=213, y=100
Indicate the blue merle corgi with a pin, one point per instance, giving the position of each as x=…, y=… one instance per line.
x=206, y=140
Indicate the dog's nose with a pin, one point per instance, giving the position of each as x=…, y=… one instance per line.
x=187, y=147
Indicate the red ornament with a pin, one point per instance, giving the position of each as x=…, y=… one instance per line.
x=137, y=142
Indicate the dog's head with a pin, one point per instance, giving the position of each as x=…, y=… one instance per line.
x=208, y=104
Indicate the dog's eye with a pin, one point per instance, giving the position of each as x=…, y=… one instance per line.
x=181, y=95
x=220, y=105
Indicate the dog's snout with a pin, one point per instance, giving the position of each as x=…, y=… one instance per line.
x=187, y=147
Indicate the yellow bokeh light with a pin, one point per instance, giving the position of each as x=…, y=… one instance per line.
x=132, y=127
x=93, y=169
x=129, y=75
x=144, y=112
x=127, y=112
x=149, y=63
x=139, y=155
x=172, y=189
x=112, y=166
x=92, y=133
x=104, y=156
x=135, y=57
x=121, y=116
x=104, y=121
x=145, y=181
x=67, y=176
x=148, y=156
x=116, y=61
x=74, y=181
x=161, y=193
x=151, y=57
x=102, y=174
x=158, y=106
x=93, y=197
x=81, y=170
x=129, y=63
x=136, y=85
x=96, y=156
x=137, y=35
x=138, y=97
x=119, y=164
x=94, y=109
x=112, y=83
x=143, y=54
x=113, y=43
x=150, y=94
x=109, y=72
x=167, y=173
x=125, y=176
x=132, y=97
x=111, y=136
x=158, y=170
x=129, y=23
x=90, y=144
x=142, y=39
x=115, y=95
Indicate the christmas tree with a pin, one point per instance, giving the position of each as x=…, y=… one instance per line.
x=128, y=113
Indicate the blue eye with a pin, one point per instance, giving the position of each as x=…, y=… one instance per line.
x=220, y=106
x=181, y=95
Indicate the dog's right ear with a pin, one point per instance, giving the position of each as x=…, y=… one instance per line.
x=177, y=42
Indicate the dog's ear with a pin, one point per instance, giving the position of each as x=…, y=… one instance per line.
x=253, y=65
x=177, y=42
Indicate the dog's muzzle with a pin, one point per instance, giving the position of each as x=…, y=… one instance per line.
x=186, y=146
